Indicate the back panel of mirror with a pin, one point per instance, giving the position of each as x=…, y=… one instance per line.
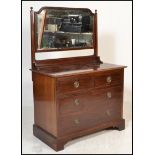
x=60, y=28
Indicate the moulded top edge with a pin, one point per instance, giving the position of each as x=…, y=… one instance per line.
x=64, y=8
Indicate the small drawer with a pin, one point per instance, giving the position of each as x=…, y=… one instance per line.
x=109, y=79
x=71, y=84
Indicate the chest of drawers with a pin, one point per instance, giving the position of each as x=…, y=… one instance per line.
x=71, y=104
x=73, y=96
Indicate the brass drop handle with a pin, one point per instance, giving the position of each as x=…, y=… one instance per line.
x=108, y=113
x=76, y=102
x=76, y=84
x=109, y=79
x=76, y=121
x=109, y=94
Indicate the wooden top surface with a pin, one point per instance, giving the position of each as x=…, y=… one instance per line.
x=80, y=70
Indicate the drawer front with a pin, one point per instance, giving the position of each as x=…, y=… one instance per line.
x=98, y=108
x=108, y=79
x=71, y=84
x=78, y=103
x=78, y=122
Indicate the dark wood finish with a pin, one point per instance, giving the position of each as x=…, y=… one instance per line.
x=65, y=8
x=35, y=35
x=63, y=70
x=72, y=61
x=79, y=103
x=37, y=50
x=63, y=49
x=75, y=96
x=116, y=78
x=57, y=112
x=48, y=138
x=44, y=103
x=95, y=35
x=89, y=113
x=65, y=85
x=58, y=143
x=32, y=38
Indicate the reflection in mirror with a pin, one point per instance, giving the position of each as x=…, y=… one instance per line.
x=58, y=29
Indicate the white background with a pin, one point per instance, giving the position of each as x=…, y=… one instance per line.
x=114, y=36
x=143, y=105
x=115, y=46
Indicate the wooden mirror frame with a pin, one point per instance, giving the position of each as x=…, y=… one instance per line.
x=33, y=36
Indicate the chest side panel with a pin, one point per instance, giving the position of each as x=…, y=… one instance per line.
x=44, y=103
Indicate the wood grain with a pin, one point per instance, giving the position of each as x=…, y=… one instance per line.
x=44, y=103
x=64, y=110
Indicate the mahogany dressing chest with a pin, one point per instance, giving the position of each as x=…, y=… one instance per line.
x=73, y=96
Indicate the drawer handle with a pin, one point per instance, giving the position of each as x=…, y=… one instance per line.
x=109, y=94
x=109, y=79
x=76, y=121
x=76, y=102
x=76, y=84
x=108, y=113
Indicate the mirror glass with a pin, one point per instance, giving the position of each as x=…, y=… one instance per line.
x=58, y=28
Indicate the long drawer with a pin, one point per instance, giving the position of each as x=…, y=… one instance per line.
x=78, y=122
x=82, y=111
x=77, y=103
